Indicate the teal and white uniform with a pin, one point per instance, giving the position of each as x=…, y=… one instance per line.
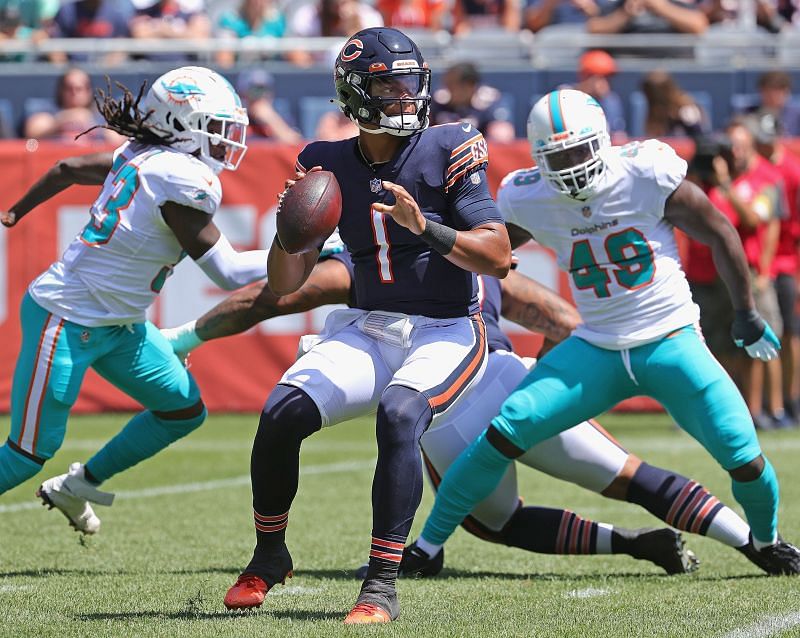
x=88, y=308
x=639, y=334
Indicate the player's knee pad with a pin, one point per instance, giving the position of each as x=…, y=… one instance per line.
x=403, y=416
x=289, y=414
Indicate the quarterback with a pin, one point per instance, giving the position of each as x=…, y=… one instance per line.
x=609, y=213
x=159, y=193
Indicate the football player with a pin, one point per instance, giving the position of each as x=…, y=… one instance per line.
x=419, y=221
x=609, y=214
x=585, y=454
x=160, y=191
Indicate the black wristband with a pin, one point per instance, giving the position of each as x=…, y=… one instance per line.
x=439, y=237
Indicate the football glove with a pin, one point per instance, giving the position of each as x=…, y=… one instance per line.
x=751, y=332
x=183, y=339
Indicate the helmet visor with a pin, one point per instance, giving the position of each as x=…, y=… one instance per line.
x=407, y=85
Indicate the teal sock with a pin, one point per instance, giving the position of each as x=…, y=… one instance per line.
x=15, y=468
x=142, y=437
x=470, y=479
x=759, y=499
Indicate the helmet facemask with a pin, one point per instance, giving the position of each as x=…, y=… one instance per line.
x=394, y=102
x=221, y=139
x=573, y=166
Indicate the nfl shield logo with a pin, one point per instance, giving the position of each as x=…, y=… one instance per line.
x=85, y=336
x=375, y=185
x=586, y=211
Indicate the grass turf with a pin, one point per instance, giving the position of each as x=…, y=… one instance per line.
x=181, y=531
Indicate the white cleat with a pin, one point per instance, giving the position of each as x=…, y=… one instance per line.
x=71, y=493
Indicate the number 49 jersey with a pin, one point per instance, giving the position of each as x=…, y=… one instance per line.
x=113, y=270
x=619, y=251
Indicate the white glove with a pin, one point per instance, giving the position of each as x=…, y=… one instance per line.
x=183, y=339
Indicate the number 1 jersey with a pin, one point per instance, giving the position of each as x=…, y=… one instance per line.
x=619, y=251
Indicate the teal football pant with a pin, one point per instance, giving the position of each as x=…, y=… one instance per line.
x=53, y=360
x=577, y=380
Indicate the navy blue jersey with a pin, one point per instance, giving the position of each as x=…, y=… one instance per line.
x=443, y=169
x=491, y=305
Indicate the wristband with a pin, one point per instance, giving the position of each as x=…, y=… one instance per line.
x=439, y=237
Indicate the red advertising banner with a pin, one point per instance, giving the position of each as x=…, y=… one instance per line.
x=236, y=373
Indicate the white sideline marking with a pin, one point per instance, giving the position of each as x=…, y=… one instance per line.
x=294, y=591
x=187, y=488
x=11, y=588
x=589, y=592
x=83, y=445
x=769, y=626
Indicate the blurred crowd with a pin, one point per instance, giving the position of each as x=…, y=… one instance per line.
x=200, y=20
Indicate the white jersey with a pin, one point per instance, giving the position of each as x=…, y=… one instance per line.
x=620, y=252
x=113, y=270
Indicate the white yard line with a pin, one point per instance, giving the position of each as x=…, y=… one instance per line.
x=186, y=488
x=768, y=626
x=589, y=592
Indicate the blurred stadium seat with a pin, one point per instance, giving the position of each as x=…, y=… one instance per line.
x=311, y=108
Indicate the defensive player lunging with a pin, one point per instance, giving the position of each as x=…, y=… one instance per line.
x=418, y=219
x=160, y=191
x=585, y=454
x=609, y=214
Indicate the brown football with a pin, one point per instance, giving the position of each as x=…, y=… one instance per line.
x=309, y=212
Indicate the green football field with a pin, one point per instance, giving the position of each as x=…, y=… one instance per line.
x=181, y=530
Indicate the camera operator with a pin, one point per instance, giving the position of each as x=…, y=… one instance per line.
x=749, y=192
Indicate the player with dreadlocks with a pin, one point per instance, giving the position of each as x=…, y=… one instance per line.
x=159, y=193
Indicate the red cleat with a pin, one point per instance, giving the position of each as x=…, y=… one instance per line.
x=367, y=613
x=248, y=592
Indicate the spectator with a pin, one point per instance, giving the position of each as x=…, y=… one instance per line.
x=728, y=14
x=595, y=68
x=32, y=14
x=256, y=87
x=92, y=19
x=786, y=265
x=253, y=19
x=412, y=14
x=476, y=15
x=671, y=112
x=334, y=126
x=170, y=19
x=14, y=26
x=708, y=290
x=464, y=98
x=749, y=191
x=330, y=18
x=75, y=113
x=649, y=16
x=775, y=92
x=540, y=14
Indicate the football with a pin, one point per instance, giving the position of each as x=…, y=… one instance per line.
x=309, y=212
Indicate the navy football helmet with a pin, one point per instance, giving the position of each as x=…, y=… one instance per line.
x=382, y=81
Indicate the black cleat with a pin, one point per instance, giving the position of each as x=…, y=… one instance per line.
x=780, y=559
x=664, y=547
x=418, y=564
